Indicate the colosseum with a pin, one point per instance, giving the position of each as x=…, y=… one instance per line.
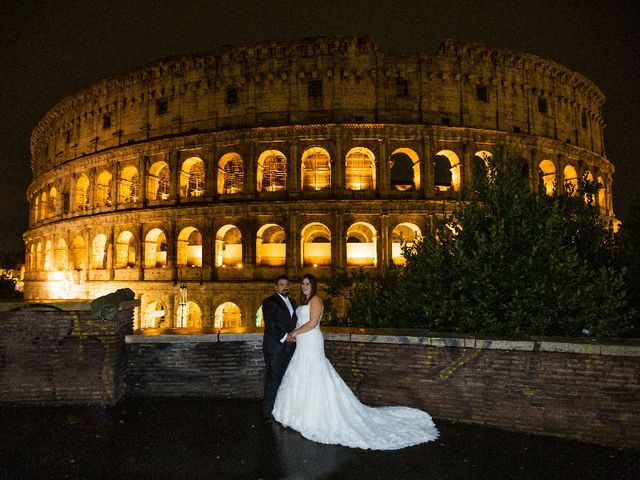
x=196, y=180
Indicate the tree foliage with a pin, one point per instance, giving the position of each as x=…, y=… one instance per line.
x=505, y=262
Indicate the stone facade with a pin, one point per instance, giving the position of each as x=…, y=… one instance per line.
x=194, y=181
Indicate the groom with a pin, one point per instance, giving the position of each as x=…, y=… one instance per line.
x=279, y=316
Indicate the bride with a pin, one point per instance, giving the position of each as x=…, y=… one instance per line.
x=315, y=401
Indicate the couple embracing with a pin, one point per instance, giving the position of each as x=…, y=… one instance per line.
x=304, y=392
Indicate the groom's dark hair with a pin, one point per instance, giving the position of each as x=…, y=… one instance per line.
x=281, y=277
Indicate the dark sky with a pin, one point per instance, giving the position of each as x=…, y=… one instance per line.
x=51, y=48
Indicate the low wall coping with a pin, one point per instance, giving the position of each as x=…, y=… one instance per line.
x=626, y=347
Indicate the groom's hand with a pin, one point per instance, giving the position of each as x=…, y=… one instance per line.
x=290, y=338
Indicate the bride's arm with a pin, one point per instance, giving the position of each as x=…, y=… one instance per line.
x=315, y=312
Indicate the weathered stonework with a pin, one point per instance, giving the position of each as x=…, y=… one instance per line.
x=263, y=150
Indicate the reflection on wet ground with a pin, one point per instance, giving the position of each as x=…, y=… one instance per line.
x=193, y=439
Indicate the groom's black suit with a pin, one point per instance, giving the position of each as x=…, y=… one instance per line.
x=277, y=323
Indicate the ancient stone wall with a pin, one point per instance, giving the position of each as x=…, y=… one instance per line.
x=53, y=356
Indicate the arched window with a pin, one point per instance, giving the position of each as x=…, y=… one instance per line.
x=31, y=265
x=155, y=249
x=227, y=315
x=272, y=171
x=125, y=250
x=192, y=178
x=158, y=182
x=189, y=315
x=129, y=185
x=66, y=199
x=547, y=172
x=78, y=252
x=38, y=256
x=271, y=247
x=316, y=169
x=99, y=252
x=570, y=180
x=153, y=314
x=230, y=174
x=403, y=234
x=228, y=249
x=360, y=169
x=43, y=205
x=61, y=259
x=189, y=247
x=52, y=207
x=48, y=256
x=602, y=197
x=361, y=245
x=36, y=207
x=82, y=193
x=316, y=245
x=404, y=170
x=447, y=171
x=481, y=160
x=103, y=189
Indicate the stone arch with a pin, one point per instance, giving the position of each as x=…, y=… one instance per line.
x=189, y=315
x=81, y=201
x=153, y=314
x=315, y=169
x=192, y=177
x=360, y=169
x=66, y=198
x=78, y=252
x=228, y=248
x=271, y=171
x=189, y=253
x=61, y=256
x=361, y=245
x=52, y=207
x=602, y=195
x=315, y=243
x=404, y=166
x=99, y=252
x=125, y=250
x=48, y=256
x=43, y=205
x=158, y=181
x=38, y=261
x=36, y=207
x=103, y=189
x=155, y=249
x=271, y=246
x=547, y=170
x=405, y=233
x=129, y=191
x=227, y=315
x=570, y=180
x=447, y=175
x=230, y=174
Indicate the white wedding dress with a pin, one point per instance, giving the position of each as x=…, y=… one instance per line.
x=315, y=401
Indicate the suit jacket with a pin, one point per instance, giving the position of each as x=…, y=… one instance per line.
x=277, y=322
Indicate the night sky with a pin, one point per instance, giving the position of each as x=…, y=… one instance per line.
x=52, y=48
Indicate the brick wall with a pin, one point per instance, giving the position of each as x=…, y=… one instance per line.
x=53, y=356
x=584, y=391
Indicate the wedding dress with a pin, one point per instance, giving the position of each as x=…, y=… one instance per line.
x=314, y=400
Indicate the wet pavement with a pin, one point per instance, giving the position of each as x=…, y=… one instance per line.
x=220, y=439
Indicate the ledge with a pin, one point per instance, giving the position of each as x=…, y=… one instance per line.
x=582, y=346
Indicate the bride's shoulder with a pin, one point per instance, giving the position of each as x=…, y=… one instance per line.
x=316, y=300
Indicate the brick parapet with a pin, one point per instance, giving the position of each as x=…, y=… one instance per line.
x=583, y=390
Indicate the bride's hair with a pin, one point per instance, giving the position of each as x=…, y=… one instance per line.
x=314, y=287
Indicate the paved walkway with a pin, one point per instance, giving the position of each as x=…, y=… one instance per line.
x=225, y=439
